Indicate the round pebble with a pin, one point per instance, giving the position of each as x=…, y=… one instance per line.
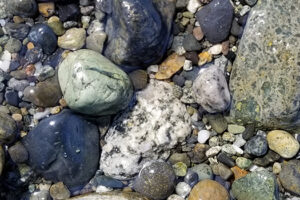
x=203, y=136
x=183, y=189
x=180, y=169
x=257, y=146
x=59, y=191
x=73, y=39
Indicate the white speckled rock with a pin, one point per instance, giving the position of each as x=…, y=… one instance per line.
x=213, y=151
x=211, y=89
x=152, y=127
x=203, y=136
x=216, y=49
x=193, y=6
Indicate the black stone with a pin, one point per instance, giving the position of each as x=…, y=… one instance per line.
x=54, y=59
x=215, y=20
x=236, y=29
x=18, y=31
x=249, y=132
x=64, y=147
x=257, y=146
x=43, y=35
x=192, y=56
x=138, y=35
x=33, y=55
x=231, y=56
x=226, y=160
x=11, y=97
x=243, y=20
x=190, y=43
x=249, y=2
x=191, y=178
x=68, y=12
x=24, y=8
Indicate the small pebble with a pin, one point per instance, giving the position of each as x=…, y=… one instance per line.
x=188, y=65
x=216, y=49
x=203, y=136
x=191, y=177
x=276, y=168
x=243, y=163
x=59, y=191
x=180, y=169
x=213, y=151
x=175, y=197
x=183, y=189
x=235, y=129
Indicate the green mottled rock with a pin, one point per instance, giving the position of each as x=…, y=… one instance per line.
x=265, y=78
x=256, y=185
x=13, y=45
x=243, y=163
x=93, y=85
x=290, y=176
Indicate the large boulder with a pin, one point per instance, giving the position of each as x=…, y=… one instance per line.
x=93, y=85
x=138, y=30
x=265, y=79
x=146, y=132
x=64, y=147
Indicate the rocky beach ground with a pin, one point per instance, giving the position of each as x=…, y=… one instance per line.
x=149, y=100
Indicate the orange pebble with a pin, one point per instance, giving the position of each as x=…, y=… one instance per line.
x=30, y=69
x=238, y=172
x=30, y=45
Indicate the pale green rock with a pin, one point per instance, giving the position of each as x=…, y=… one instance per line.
x=235, y=129
x=73, y=39
x=93, y=85
x=265, y=78
x=243, y=163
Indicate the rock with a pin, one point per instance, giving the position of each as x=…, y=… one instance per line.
x=290, y=176
x=180, y=169
x=41, y=194
x=33, y=55
x=149, y=24
x=156, y=180
x=257, y=146
x=207, y=190
x=215, y=20
x=217, y=121
x=215, y=50
x=142, y=129
x=11, y=97
x=43, y=35
x=183, y=189
x=228, y=137
x=258, y=98
x=193, y=6
x=238, y=172
x=225, y=159
x=18, y=31
x=18, y=85
x=18, y=153
x=45, y=73
x=139, y=79
x=203, y=171
x=73, y=39
x=270, y=157
x=46, y=9
x=203, y=136
x=199, y=151
x=13, y=45
x=211, y=90
x=190, y=43
x=236, y=129
x=222, y=170
x=64, y=147
x=24, y=8
x=175, y=196
x=92, y=85
x=44, y=94
x=198, y=33
x=68, y=12
x=249, y=131
x=236, y=29
x=243, y=163
x=188, y=65
x=249, y=2
x=283, y=143
x=256, y=185
x=56, y=25
x=170, y=66
x=276, y=168
x=213, y=151
x=95, y=41
x=179, y=157
x=59, y=191
x=191, y=178
x=111, y=196
x=108, y=182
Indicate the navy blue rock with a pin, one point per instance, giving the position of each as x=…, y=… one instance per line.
x=138, y=30
x=64, y=147
x=215, y=20
x=257, y=146
x=43, y=35
x=18, y=31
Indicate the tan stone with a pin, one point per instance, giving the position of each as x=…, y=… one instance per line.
x=238, y=172
x=47, y=9
x=170, y=66
x=204, y=58
x=73, y=39
x=283, y=143
x=59, y=191
x=208, y=190
x=198, y=34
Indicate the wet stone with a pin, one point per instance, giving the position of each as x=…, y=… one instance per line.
x=290, y=176
x=191, y=177
x=8, y=128
x=64, y=147
x=18, y=153
x=34, y=55
x=18, y=31
x=257, y=146
x=24, y=8
x=11, y=97
x=68, y=12
x=59, y=191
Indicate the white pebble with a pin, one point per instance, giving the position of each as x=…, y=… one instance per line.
x=101, y=189
x=183, y=189
x=228, y=148
x=193, y=6
x=238, y=149
x=203, y=136
x=6, y=56
x=188, y=65
x=213, y=151
x=276, y=168
x=239, y=140
x=180, y=50
x=245, y=10
x=175, y=197
x=41, y=115
x=216, y=49
x=4, y=65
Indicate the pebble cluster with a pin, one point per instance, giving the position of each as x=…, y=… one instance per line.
x=149, y=100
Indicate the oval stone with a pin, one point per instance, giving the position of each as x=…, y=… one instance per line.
x=64, y=147
x=283, y=143
x=91, y=84
x=24, y=8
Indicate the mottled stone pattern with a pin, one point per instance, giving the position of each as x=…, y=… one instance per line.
x=265, y=80
x=155, y=125
x=290, y=176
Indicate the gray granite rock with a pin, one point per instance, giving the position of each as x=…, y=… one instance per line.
x=265, y=80
x=157, y=123
x=138, y=30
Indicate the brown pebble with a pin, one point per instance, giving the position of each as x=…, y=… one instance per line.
x=47, y=9
x=198, y=34
x=24, y=111
x=225, y=47
x=55, y=110
x=139, y=79
x=238, y=172
x=30, y=69
x=18, y=19
x=63, y=103
x=18, y=153
x=30, y=45
x=59, y=191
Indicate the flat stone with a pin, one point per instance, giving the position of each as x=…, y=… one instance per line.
x=256, y=185
x=24, y=8
x=73, y=39
x=156, y=180
x=8, y=128
x=217, y=121
x=149, y=23
x=156, y=124
x=283, y=143
x=93, y=85
x=290, y=176
x=64, y=147
x=170, y=66
x=111, y=196
x=265, y=91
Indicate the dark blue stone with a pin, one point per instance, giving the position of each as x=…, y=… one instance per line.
x=191, y=178
x=224, y=183
x=138, y=30
x=34, y=55
x=108, y=182
x=215, y=20
x=178, y=80
x=68, y=12
x=257, y=146
x=14, y=65
x=43, y=35
x=18, y=31
x=64, y=147
x=54, y=59
x=11, y=97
